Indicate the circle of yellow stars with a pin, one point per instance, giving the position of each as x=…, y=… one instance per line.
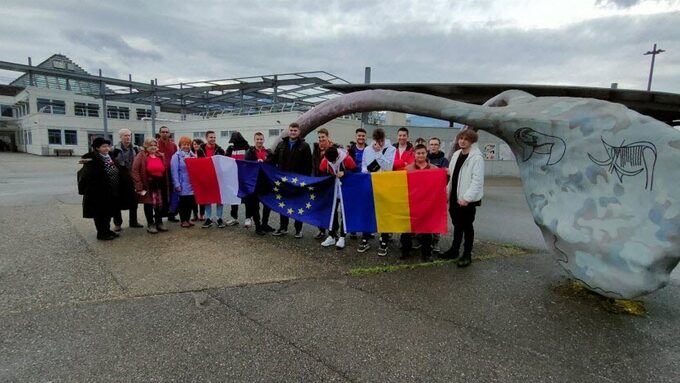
x=294, y=181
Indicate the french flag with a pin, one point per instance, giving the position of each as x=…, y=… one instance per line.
x=214, y=180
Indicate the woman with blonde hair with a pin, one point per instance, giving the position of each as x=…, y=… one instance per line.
x=180, y=181
x=151, y=184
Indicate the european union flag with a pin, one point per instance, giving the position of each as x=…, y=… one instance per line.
x=307, y=199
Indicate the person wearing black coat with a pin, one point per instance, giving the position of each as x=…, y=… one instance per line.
x=258, y=153
x=292, y=154
x=105, y=187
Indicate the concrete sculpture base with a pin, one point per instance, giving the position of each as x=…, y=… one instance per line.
x=601, y=180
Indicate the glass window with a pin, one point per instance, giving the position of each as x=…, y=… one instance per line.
x=29, y=138
x=142, y=113
x=71, y=137
x=58, y=107
x=51, y=106
x=139, y=139
x=44, y=105
x=80, y=109
x=54, y=136
x=6, y=110
x=274, y=132
x=199, y=134
x=225, y=134
x=118, y=112
x=92, y=110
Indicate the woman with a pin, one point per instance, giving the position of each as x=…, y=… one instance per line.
x=180, y=181
x=195, y=147
x=102, y=183
x=149, y=176
x=465, y=189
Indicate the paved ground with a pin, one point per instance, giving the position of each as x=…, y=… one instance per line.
x=224, y=305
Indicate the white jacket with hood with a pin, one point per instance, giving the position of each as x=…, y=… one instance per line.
x=471, y=176
x=384, y=157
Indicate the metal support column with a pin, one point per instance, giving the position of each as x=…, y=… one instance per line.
x=367, y=80
x=183, y=110
x=153, y=108
x=31, y=79
x=102, y=94
x=275, y=99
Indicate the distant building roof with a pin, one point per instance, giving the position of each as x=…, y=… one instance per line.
x=59, y=63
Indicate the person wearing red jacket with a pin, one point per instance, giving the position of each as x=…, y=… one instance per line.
x=168, y=148
x=404, y=154
x=335, y=162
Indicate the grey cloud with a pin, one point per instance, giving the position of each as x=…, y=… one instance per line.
x=617, y=3
x=101, y=41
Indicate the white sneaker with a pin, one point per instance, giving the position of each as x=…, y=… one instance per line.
x=330, y=241
x=340, y=244
x=232, y=222
x=248, y=223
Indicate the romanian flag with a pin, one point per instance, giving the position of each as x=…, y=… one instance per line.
x=214, y=180
x=395, y=202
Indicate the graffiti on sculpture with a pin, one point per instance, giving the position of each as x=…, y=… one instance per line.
x=629, y=160
x=619, y=241
x=533, y=142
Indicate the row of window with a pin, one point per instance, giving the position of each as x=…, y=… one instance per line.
x=82, y=109
x=70, y=137
x=226, y=134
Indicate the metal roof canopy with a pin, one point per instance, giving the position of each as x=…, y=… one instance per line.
x=659, y=105
x=300, y=90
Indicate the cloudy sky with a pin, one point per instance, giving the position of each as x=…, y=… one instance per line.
x=575, y=42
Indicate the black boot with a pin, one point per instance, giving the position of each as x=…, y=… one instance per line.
x=465, y=261
x=451, y=254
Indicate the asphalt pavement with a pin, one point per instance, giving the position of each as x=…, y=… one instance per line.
x=226, y=305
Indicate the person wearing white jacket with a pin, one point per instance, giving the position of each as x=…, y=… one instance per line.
x=378, y=157
x=465, y=191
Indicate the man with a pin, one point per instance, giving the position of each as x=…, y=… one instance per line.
x=356, y=151
x=425, y=240
x=435, y=155
x=168, y=148
x=292, y=154
x=209, y=149
x=379, y=157
x=404, y=153
x=124, y=154
x=317, y=156
x=466, y=189
x=258, y=153
x=336, y=162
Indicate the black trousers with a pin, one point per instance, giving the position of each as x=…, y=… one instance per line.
x=234, y=211
x=153, y=214
x=406, y=240
x=336, y=225
x=253, y=211
x=186, y=204
x=102, y=222
x=118, y=216
x=462, y=218
x=284, y=224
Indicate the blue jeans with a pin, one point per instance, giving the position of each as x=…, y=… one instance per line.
x=208, y=211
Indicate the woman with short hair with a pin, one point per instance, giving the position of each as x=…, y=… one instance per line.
x=150, y=178
x=180, y=181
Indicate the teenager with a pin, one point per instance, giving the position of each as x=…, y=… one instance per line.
x=209, y=149
x=335, y=163
x=258, y=153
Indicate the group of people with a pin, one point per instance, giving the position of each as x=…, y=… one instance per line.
x=116, y=178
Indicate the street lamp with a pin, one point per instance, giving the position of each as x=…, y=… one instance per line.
x=653, y=52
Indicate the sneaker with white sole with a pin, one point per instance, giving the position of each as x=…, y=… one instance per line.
x=279, y=232
x=298, y=234
x=248, y=223
x=340, y=243
x=382, y=249
x=232, y=222
x=329, y=241
x=208, y=222
x=363, y=246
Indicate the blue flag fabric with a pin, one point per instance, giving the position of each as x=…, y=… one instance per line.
x=307, y=199
x=248, y=172
x=359, y=213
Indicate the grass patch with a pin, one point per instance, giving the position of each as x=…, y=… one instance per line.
x=577, y=290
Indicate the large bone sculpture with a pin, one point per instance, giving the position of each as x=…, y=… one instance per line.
x=601, y=180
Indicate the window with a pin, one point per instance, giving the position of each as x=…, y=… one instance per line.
x=118, y=112
x=29, y=138
x=46, y=105
x=139, y=139
x=92, y=135
x=70, y=137
x=225, y=134
x=86, y=110
x=54, y=136
x=141, y=113
x=6, y=110
x=274, y=132
x=199, y=134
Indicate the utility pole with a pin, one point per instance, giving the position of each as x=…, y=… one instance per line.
x=653, y=52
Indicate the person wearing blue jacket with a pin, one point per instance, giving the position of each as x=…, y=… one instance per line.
x=180, y=181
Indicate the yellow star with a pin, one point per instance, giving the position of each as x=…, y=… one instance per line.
x=281, y=204
x=303, y=184
x=278, y=196
x=309, y=205
x=301, y=210
x=311, y=188
x=290, y=211
x=294, y=180
x=284, y=179
x=276, y=189
x=312, y=197
x=278, y=183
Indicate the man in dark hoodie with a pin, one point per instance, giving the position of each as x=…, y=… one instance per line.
x=258, y=153
x=292, y=154
x=209, y=149
x=435, y=155
x=237, y=150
